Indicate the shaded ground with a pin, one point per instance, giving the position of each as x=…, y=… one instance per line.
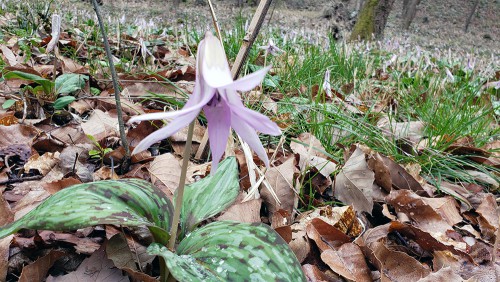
x=437, y=25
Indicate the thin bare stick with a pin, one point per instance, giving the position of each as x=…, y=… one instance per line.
x=216, y=23
x=251, y=35
x=126, y=159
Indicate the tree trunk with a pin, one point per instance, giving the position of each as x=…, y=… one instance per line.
x=176, y=3
x=409, y=12
x=372, y=20
x=471, y=14
x=359, y=4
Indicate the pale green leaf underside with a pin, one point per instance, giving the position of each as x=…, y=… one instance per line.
x=233, y=251
x=127, y=202
x=211, y=195
x=69, y=82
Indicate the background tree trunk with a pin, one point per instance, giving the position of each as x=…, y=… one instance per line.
x=471, y=14
x=409, y=12
x=176, y=3
x=372, y=20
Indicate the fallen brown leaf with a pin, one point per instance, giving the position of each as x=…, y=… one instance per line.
x=422, y=214
x=4, y=256
x=325, y=235
x=445, y=274
x=354, y=183
x=37, y=271
x=313, y=274
x=95, y=268
x=281, y=180
x=349, y=262
x=248, y=211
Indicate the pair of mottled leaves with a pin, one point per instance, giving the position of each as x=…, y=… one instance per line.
x=217, y=251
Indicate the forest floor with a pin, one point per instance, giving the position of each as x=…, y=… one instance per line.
x=387, y=168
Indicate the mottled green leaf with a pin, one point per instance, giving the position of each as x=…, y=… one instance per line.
x=70, y=82
x=183, y=268
x=62, y=102
x=232, y=251
x=128, y=202
x=7, y=104
x=45, y=83
x=211, y=195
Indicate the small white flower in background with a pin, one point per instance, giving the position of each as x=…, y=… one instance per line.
x=271, y=48
x=326, y=84
x=246, y=26
x=56, y=32
x=450, y=76
x=391, y=61
x=144, y=50
x=471, y=62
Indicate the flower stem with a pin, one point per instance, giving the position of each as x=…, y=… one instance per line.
x=180, y=189
x=126, y=160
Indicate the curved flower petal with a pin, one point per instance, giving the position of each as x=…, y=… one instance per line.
x=213, y=63
x=196, y=101
x=255, y=119
x=165, y=131
x=248, y=82
x=249, y=135
x=219, y=122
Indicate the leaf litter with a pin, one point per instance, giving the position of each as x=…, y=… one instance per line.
x=393, y=225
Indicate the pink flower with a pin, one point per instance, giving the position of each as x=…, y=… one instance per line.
x=215, y=93
x=271, y=48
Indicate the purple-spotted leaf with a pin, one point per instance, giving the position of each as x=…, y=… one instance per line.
x=211, y=195
x=232, y=251
x=128, y=202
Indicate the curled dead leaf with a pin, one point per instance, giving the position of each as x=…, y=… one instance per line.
x=353, y=185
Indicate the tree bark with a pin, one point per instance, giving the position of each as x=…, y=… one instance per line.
x=372, y=20
x=409, y=12
x=471, y=14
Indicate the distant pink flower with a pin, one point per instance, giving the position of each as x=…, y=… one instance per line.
x=215, y=93
x=271, y=48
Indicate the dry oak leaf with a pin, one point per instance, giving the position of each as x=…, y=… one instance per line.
x=395, y=265
x=281, y=180
x=349, y=262
x=488, y=219
x=313, y=274
x=43, y=163
x=100, y=125
x=325, y=235
x=95, y=268
x=445, y=274
x=248, y=211
x=353, y=185
x=423, y=215
x=37, y=271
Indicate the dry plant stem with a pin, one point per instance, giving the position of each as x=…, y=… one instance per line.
x=216, y=23
x=123, y=137
x=248, y=40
